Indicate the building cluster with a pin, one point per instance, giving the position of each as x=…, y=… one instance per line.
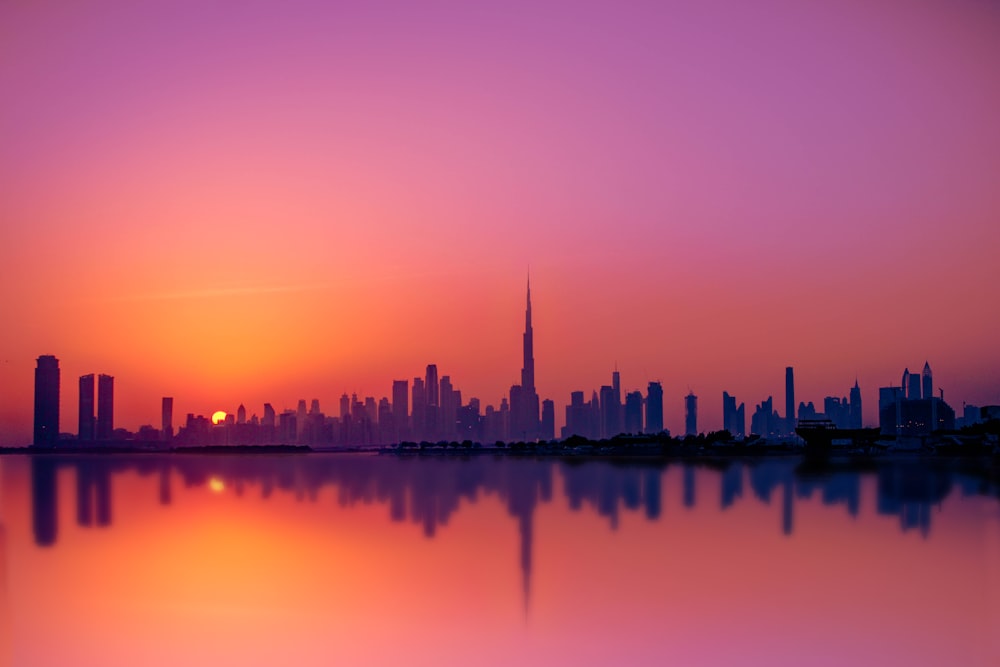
x=431, y=409
x=605, y=416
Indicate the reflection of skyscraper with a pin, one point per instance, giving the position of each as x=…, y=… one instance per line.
x=167, y=418
x=691, y=414
x=47, y=401
x=85, y=431
x=44, y=500
x=105, y=406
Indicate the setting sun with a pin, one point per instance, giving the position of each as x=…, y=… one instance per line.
x=218, y=417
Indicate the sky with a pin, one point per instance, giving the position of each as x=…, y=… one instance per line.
x=240, y=202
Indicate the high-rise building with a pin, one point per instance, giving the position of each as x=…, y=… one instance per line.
x=241, y=414
x=401, y=408
x=86, y=418
x=733, y=418
x=431, y=385
x=789, y=401
x=105, y=407
x=524, y=422
x=857, y=416
x=418, y=408
x=691, y=414
x=46, y=401
x=927, y=380
x=167, y=418
x=609, y=412
x=548, y=427
x=633, y=412
x=654, y=408
x=913, y=392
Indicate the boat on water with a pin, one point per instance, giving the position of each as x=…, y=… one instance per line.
x=823, y=436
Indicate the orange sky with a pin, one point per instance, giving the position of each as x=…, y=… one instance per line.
x=248, y=204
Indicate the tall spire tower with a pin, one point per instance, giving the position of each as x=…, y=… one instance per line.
x=528, y=370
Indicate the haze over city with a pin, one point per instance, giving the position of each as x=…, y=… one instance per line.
x=264, y=204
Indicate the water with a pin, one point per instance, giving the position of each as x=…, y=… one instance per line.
x=377, y=560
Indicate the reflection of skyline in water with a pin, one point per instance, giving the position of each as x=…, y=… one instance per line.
x=428, y=491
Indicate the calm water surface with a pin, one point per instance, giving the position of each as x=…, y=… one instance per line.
x=376, y=560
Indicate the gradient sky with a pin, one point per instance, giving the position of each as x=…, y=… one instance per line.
x=236, y=202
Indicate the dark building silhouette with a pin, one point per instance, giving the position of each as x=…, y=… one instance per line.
x=105, y=407
x=691, y=414
x=85, y=432
x=856, y=414
x=734, y=418
x=167, y=418
x=789, y=401
x=927, y=381
x=609, y=412
x=524, y=423
x=654, y=408
x=548, y=427
x=400, y=408
x=905, y=411
x=633, y=412
x=47, y=401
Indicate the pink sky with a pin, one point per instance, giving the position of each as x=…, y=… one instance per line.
x=246, y=202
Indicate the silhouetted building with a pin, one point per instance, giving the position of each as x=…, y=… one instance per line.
x=241, y=414
x=47, y=401
x=691, y=414
x=167, y=419
x=400, y=408
x=927, y=380
x=633, y=412
x=789, y=401
x=733, y=418
x=86, y=415
x=524, y=422
x=654, y=408
x=856, y=414
x=548, y=428
x=765, y=421
x=906, y=411
x=419, y=409
x=105, y=407
x=609, y=412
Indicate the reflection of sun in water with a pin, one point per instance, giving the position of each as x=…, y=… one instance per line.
x=216, y=485
x=218, y=417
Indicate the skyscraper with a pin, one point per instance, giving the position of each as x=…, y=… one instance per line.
x=105, y=406
x=691, y=414
x=431, y=385
x=401, y=408
x=733, y=418
x=528, y=369
x=86, y=419
x=857, y=417
x=524, y=399
x=167, y=418
x=789, y=401
x=927, y=381
x=654, y=408
x=633, y=412
x=47, y=401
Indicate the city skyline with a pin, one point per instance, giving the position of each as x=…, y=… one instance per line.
x=243, y=204
x=434, y=410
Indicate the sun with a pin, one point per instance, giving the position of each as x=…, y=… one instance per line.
x=216, y=485
x=218, y=417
